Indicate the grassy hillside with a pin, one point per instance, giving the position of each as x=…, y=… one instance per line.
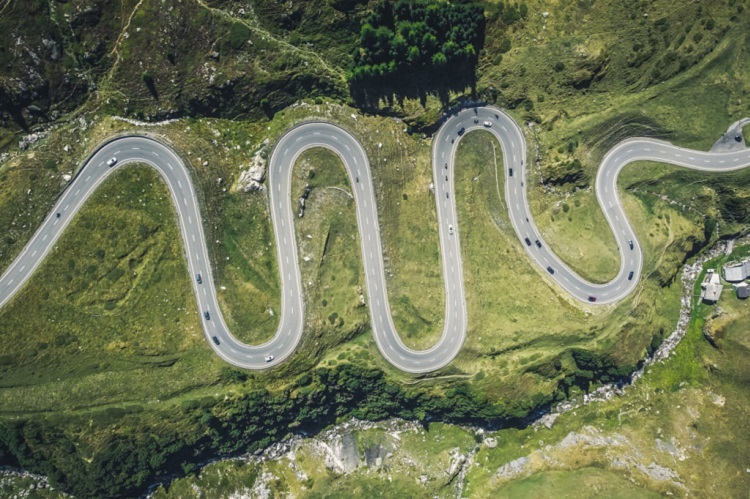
x=103, y=352
x=681, y=430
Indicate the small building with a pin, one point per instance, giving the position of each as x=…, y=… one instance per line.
x=736, y=272
x=743, y=290
x=711, y=288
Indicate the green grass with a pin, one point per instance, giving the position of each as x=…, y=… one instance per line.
x=329, y=252
x=249, y=279
x=692, y=109
x=402, y=451
x=507, y=335
x=102, y=339
x=204, y=48
x=121, y=258
x=506, y=338
x=27, y=188
x=680, y=401
x=583, y=483
x=703, y=423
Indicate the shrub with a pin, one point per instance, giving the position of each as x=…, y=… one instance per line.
x=239, y=34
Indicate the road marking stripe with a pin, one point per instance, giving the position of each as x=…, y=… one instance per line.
x=453, y=262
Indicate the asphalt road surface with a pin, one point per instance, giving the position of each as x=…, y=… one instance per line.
x=146, y=150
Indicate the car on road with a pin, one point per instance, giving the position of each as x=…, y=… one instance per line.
x=453, y=140
x=487, y=124
x=357, y=179
x=446, y=195
x=528, y=241
x=268, y=358
x=206, y=315
x=538, y=243
x=198, y=279
x=450, y=230
x=550, y=270
x=446, y=166
x=592, y=298
x=111, y=161
x=510, y=172
x=446, y=178
x=57, y=214
x=630, y=243
x=216, y=340
x=630, y=276
x=476, y=120
x=461, y=131
x=738, y=138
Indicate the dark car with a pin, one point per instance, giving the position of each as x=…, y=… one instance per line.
x=216, y=340
x=198, y=279
x=738, y=137
x=446, y=166
x=630, y=276
x=446, y=195
x=528, y=241
x=357, y=179
x=461, y=132
x=57, y=215
x=550, y=270
x=630, y=243
x=592, y=298
x=510, y=172
x=205, y=314
x=538, y=243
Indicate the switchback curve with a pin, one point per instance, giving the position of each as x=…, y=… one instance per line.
x=297, y=140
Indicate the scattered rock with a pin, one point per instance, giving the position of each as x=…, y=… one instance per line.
x=671, y=448
x=514, y=468
x=659, y=473
x=30, y=139
x=490, y=442
x=252, y=178
x=52, y=48
x=547, y=420
x=718, y=400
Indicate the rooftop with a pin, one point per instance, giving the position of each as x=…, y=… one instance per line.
x=736, y=272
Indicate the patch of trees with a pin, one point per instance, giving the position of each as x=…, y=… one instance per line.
x=410, y=45
x=135, y=448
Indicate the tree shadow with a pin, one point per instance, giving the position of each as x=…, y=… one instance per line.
x=394, y=89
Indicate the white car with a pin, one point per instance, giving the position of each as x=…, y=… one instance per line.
x=268, y=358
x=111, y=161
x=487, y=124
x=450, y=230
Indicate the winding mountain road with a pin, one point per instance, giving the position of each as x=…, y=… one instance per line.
x=138, y=149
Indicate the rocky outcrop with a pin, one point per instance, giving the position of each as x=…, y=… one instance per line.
x=517, y=467
x=251, y=179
